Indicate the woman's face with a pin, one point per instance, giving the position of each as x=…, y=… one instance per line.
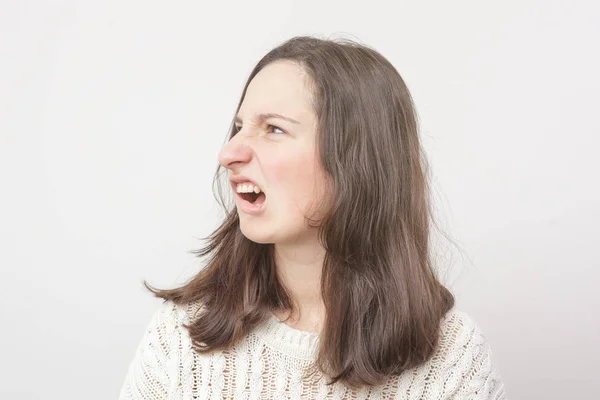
x=277, y=154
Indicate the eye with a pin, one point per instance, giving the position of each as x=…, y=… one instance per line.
x=275, y=127
x=237, y=128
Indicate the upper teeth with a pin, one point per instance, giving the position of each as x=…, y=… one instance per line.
x=242, y=188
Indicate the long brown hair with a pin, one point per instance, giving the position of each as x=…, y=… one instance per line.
x=383, y=301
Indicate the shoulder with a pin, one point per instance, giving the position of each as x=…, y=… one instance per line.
x=165, y=335
x=457, y=325
x=161, y=353
x=464, y=361
x=166, y=338
x=170, y=317
x=163, y=330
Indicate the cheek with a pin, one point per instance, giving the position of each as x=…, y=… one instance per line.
x=294, y=178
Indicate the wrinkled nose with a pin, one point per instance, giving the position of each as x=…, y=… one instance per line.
x=235, y=152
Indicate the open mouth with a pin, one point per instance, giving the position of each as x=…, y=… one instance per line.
x=253, y=198
x=247, y=198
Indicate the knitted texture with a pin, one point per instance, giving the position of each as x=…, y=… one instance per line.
x=269, y=363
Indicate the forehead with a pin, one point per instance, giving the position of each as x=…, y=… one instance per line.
x=280, y=87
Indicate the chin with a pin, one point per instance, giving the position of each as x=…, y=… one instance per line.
x=256, y=234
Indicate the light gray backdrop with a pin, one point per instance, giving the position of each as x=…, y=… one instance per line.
x=112, y=114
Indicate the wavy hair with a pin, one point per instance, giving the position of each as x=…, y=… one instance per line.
x=383, y=301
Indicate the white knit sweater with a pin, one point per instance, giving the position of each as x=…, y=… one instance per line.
x=268, y=364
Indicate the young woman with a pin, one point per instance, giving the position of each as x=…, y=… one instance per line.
x=319, y=283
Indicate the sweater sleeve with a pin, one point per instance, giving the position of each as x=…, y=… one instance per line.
x=473, y=375
x=148, y=376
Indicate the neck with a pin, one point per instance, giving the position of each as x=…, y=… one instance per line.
x=299, y=267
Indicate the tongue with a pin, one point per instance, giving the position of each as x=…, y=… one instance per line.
x=261, y=199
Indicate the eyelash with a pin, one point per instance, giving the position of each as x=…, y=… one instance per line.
x=237, y=128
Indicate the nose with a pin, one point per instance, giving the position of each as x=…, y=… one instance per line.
x=235, y=151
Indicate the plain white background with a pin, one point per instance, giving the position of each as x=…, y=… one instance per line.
x=112, y=114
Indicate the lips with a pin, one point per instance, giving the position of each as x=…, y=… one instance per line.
x=235, y=180
x=253, y=208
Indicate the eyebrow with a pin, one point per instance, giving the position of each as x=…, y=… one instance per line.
x=264, y=116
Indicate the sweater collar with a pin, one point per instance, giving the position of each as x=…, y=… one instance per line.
x=290, y=341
